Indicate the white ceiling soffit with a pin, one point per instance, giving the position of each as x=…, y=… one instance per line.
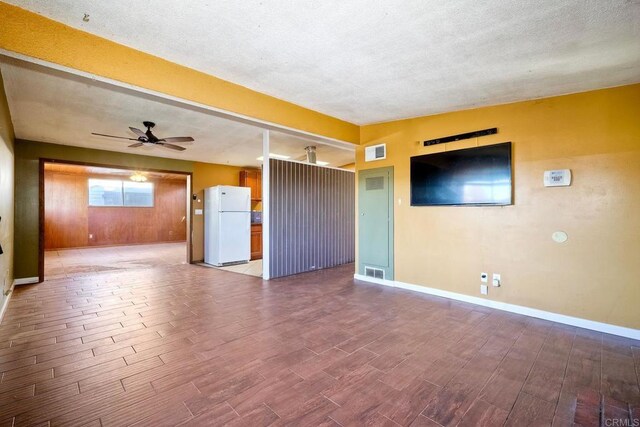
x=53, y=106
x=369, y=61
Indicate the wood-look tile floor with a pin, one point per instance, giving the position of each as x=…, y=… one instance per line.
x=188, y=345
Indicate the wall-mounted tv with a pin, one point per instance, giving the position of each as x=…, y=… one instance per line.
x=472, y=176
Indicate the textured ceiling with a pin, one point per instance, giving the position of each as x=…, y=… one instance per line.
x=57, y=107
x=368, y=61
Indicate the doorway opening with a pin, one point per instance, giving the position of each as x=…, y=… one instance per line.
x=98, y=218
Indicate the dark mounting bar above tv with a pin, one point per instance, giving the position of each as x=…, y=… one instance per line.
x=461, y=136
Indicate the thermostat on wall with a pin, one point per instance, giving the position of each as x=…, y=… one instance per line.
x=557, y=178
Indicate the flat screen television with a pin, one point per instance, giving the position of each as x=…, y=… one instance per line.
x=474, y=176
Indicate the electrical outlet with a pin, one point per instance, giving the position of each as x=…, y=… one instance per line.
x=484, y=277
x=484, y=289
x=496, y=280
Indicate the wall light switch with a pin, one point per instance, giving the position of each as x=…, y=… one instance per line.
x=496, y=280
x=484, y=289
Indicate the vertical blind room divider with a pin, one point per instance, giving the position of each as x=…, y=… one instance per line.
x=312, y=221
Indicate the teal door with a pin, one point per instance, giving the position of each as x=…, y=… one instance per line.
x=375, y=223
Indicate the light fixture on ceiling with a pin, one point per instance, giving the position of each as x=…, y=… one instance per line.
x=275, y=156
x=138, y=177
x=85, y=18
x=311, y=154
x=310, y=157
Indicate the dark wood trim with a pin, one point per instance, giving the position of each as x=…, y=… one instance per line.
x=189, y=215
x=41, y=196
x=41, y=221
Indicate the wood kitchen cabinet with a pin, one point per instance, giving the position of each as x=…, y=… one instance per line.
x=256, y=241
x=252, y=178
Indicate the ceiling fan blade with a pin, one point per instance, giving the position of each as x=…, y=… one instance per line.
x=177, y=139
x=138, y=132
x=113, y=136
x=173, y=147
x=137, y=144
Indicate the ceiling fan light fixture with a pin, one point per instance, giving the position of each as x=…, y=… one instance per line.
x=138, y=177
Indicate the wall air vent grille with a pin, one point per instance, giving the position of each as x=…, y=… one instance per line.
x=376, y=273
x=375, y=183
x=375, y=152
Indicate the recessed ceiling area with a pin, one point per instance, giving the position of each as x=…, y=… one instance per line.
x=366, y=62
x=57, y=107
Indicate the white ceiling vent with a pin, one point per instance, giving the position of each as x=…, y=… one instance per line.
x=375, y=152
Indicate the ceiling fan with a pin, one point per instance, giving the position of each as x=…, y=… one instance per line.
x=148, y=138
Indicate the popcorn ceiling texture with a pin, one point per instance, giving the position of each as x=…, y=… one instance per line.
x=370, y=61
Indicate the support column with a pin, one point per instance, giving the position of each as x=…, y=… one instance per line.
x=266, y=215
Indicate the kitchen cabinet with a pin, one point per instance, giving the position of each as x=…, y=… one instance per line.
x=252, y=178
x=256, y=241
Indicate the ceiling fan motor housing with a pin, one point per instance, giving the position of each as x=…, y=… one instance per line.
x=151, y=138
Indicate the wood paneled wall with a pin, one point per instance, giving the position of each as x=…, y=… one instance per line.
x=312, y=217
x=69, y=220
x=65, y=211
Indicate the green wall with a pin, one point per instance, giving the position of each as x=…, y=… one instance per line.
x=6, y=196
x=27, y=163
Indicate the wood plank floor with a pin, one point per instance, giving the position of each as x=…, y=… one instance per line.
x=188, y=345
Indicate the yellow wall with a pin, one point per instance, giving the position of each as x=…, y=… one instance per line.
x=6, y=195
x=33, y=35
x=207, y=175
x=594, y=275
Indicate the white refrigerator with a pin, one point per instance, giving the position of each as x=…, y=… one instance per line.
x=227, y=225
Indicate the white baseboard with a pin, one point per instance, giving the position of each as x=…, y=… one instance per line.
x=527, y=311
x=5, y=303
x=26, y=280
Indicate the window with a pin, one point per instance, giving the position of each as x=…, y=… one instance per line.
x=105, y=192
x=138, y=193
x=111, y=192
